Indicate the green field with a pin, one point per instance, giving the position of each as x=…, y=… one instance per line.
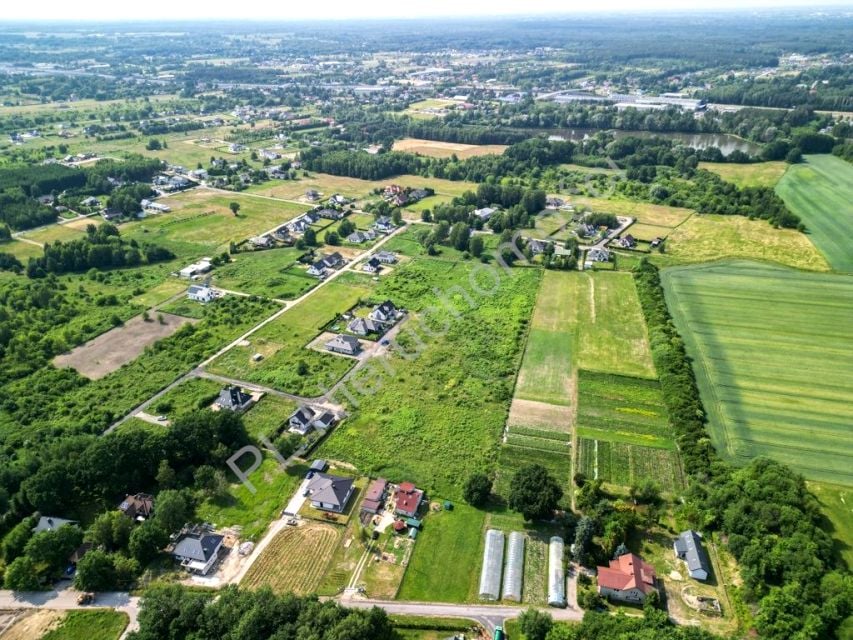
x=274, y=273
x=771, y=349
x=837, y=504
x=756, y=174
x=91, y=624
x=820, y=191
x=282, y=344
x=190, y=396
x=624, y=464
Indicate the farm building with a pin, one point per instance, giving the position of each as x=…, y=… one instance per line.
x=408, y=499
x=514, y=568
x=493, y=556
x=330, y=493
x=233, y=399
x=688, y=547
x=375, y=496
x=196, y=268
x=201, y=293
x=628, y=579
x=344, y=344
x=137, y=507
x=556, y=574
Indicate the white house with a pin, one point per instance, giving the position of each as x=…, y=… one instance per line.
x=201, y=293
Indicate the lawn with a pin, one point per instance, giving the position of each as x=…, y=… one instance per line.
x=771, y=350
x=295, y=560
x=266, y=417
x=756, y=174
x=160, y=293
x=274, y=273
x=201, y=222
x=252, y=512
x=90, y=624
x=835, y=506
x=282, y=344
x=704, y=238
x=820, y=191
x=443, y=399
x=23, y=251
x=613, y=336
x=445, y=566
x=194, y=394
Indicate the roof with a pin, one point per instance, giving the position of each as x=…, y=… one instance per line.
x=198, y=288
x=318, y=465
x=47, y=523
x=330, y=489
x=231, y=397
x=197, y=546
x=627, y=572
x=408, y=498
x=141, y=504
x=387, y=308
x=376, y=489
x=341, y=340
x=689, y=548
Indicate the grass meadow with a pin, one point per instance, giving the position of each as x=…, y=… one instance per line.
x=820, y=191
x=836, y=502
x=757, y=174
x=771, y=350
x=273, y=273
x=89, y=624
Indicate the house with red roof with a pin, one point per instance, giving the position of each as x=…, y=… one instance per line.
x=628, y=579
x=408, y=500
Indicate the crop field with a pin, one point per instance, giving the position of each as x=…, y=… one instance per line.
x=295, y=560
x=201, y=222
x=435, y=149
x=282, y=344
x=644, y=212
x=54, y=232
x=707, y=237
x=624, y=464
x=445, y=565
x=612, y=336
x=771, y=350
x=619, y=408
x=820, y=191
x=756, y=174
x=273, y=273
x=443, y=399
x=118, y=346
x=836, y=502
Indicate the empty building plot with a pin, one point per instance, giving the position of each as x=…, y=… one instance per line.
x=493, y=559
x=514, y=567
x=556, y=574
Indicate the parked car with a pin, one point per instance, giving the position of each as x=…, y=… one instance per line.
x=86, y=597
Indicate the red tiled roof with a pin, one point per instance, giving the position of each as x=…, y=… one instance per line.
x=627, y=572
x=408, y=498
x=399, y=525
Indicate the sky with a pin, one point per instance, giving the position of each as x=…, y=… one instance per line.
x=116, y=10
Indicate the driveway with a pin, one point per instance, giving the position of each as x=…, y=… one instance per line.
x=298, y=499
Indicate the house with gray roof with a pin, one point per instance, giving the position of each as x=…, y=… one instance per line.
x=49, y=523
x=329, y=493
x=688, y=547
x=197, y=550
x=347, y=345
x=233, y=399
x=364, y=326
x=306, y=418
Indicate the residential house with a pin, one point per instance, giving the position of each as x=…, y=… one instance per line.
x=310, y=217
x=261, y=242
x=418, y=194
x=627, y=242
x=386, y=257
x=298, y=226
x=656, y=242
x=391, y=191
x=688, y=547
x=111, y=214
x=329, y=493
x=201, y=293
x=312, y=195
x=364, y=326
x=374, y=497
x=407, y=500
x=50, y=523
x=598, y=254
x=552, y=202
x=539, y=246
x=384, y=225
x=197, y=549
x=268, y=154
x=338, y=200
x=306, y=418
x=386, y=313
x=347, y=345
x=333, y=261
x=484, y=214
x=236, y=148
x=91, y=201
x=138, y=507
x=233, y=399
x=627, y=579
x=198, y=174
x=318, y=269
x=372, y=266
x=79, y=552
x=178, y=182
x=330, y=214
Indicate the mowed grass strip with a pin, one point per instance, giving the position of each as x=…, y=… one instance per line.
x=756, y=174
x=295, y=560
x=820, y=191
x=771, y=353
x=613, y=336
x=836, y=502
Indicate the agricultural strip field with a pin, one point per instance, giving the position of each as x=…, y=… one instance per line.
x=118, y=346
x=295, y=560
x=282, y=344
x=273, y=273
x=708, y=237
x=435, y=149
x=201, y=222
x=624, y=464
x=442, y=401
x=820, y=191
x=756, y=174
x=613, y=336
x=771, y=350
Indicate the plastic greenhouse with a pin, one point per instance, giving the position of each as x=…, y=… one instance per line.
x=556, y=575
x=514, y=567
x=493, y=559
